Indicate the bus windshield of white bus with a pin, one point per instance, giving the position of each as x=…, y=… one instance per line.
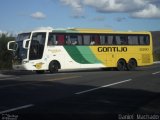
x=37, y=45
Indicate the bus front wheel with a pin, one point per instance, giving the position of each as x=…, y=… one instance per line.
x=121, y=65
x=53, y=67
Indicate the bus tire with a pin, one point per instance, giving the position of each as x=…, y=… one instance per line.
x=53, y=67
x=121, y=65
x=132, y=64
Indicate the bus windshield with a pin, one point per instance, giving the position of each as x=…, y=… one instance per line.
x=20, y=52
x=37, y=45
x=23, y=36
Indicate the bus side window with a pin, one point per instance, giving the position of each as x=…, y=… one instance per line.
x=102, y=40
x=52, y=40
x=114, y=41
x=60, y=39
x=86, y=39
x=121, y=40
x=147, y=41
x=73, y=40
x=130, y=41
x=143, y=40
x=80, y=39
x=117, y=40
x=133, y=40
x=95, y=40
x=110, y=40
x=124, y=40
x=67, y=40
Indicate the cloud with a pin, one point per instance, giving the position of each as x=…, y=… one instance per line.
x=135, y=8
x=106, y=6
x=76, y=6
x=38, y=15
x=151, y=11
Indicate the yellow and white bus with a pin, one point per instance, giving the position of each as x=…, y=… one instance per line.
x=76, y=48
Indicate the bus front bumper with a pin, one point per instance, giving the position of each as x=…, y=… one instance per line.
x=23, y=67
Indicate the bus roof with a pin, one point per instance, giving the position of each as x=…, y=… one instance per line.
x=91, y=30
x=81, y=30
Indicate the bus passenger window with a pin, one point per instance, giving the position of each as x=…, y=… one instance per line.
x=60, y=39
x=79, y=39
x=52, y=40
x=96, y=39
x=147, y=41
x=86, y=39
x=143, y=40
x=72, y=40
x=118, y=40
x=130, y=41
x=92, y=42
x=133, y=40
x=111, y=40
x=123, y=40
x=102, y=40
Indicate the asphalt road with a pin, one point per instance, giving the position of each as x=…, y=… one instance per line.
x=84, y=94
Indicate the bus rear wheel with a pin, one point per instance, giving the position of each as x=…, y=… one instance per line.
x=53, y=67
x=132, y=64
x=121, y=65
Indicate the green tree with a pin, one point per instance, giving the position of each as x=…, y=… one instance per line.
x=5, y=55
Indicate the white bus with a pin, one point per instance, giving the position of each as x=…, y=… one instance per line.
x=51, y=50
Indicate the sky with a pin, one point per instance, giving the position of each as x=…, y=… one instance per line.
x=121, y=15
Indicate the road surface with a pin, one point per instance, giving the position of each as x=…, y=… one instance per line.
x=83, y=94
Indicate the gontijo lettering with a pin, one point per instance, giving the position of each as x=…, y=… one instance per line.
x=112, y=49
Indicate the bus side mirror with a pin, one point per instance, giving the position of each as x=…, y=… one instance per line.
x=26, y=43
x=12, y=46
